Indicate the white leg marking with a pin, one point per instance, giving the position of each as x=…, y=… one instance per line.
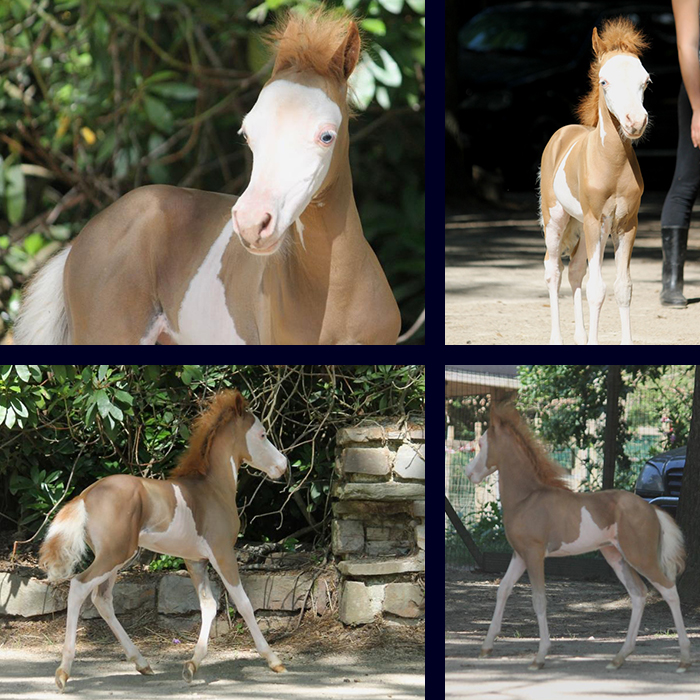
x=637, y=591
x=515, y=571
x=554, y=230
x=623, y=286
x=595, y=290
x=243, y=606
x=670, y=595
x=105, y=606
x=76, y=597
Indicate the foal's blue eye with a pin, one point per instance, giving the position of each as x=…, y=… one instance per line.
x=327, y=137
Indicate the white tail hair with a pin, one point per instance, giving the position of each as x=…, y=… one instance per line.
x=65, y=544
x=42, y=316
x=671, y=547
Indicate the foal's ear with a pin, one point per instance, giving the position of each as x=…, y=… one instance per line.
x=239, y=403
x=348, y=54
x=597, y=44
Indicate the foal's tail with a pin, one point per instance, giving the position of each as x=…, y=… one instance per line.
x=672, y=548
x=42, y=317
x=65, y=544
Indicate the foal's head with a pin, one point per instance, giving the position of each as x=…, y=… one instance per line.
x=508, y=441
x=619, y=77
x=241, y=434
x=297, y=129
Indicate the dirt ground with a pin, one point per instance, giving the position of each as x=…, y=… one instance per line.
x=494, y=280
x=587, y=625
x=323, y=660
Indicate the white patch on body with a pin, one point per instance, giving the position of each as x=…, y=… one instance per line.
x=234, y=468
x=181, y=538
x=204, y=318
x=602, y=127
x=562, y=192
x=590, y=538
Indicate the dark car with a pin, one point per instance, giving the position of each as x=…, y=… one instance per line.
x=659, y=482
x=524, y=67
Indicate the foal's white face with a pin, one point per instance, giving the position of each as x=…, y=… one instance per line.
x=623, y=80
x=292, y=131
x=478, y=469
x=263, y=454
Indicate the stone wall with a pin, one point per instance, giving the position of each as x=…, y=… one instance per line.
x=170, y=593
x=378, y=530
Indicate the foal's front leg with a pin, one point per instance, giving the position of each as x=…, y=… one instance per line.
x=200, y=579
x=226, y=566
x=623, y=283
x=515, y=571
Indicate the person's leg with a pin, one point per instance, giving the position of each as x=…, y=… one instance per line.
x=675, y=215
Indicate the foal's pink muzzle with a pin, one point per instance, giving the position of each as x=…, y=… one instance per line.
x=255, y=225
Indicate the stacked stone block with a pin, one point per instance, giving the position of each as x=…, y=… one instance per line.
x=378, y=531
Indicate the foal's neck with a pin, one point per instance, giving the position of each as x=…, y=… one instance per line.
x=221, y=470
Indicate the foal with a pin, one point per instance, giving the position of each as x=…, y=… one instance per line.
x=543, y=518
x=287, y=263
x=192, y=515
x=590, y=182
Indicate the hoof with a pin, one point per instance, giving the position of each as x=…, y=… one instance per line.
x=279, y=668
x=485, y=652
x=145, y=670
x=615, y=664
x=61, y=679
x=188, y=671
x=684, y=666
x=536, y=665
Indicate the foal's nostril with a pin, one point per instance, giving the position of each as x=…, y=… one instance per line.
x=265, y=228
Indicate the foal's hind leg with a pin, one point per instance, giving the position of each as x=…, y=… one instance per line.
x=670, y=595
x=638, y=593
x=80, y=588
x=200, y=579
x=535, y=570
x=102, y=598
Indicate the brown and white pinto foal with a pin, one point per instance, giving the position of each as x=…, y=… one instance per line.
x=543, y=518
x=192, y=515
x=590, y=182
x=287, y=263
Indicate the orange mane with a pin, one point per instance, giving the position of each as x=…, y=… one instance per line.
x=309, y=42
x=617, y=36
x=547, y=471
x=223, y=407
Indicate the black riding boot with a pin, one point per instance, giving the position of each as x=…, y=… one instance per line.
x=674, y=242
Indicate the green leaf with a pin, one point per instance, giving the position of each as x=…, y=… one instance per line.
x=22, y=372
x=15, y=194
x=176, y=91
x=158, y=114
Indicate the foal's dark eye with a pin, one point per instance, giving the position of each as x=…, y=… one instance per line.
x=327, y=137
